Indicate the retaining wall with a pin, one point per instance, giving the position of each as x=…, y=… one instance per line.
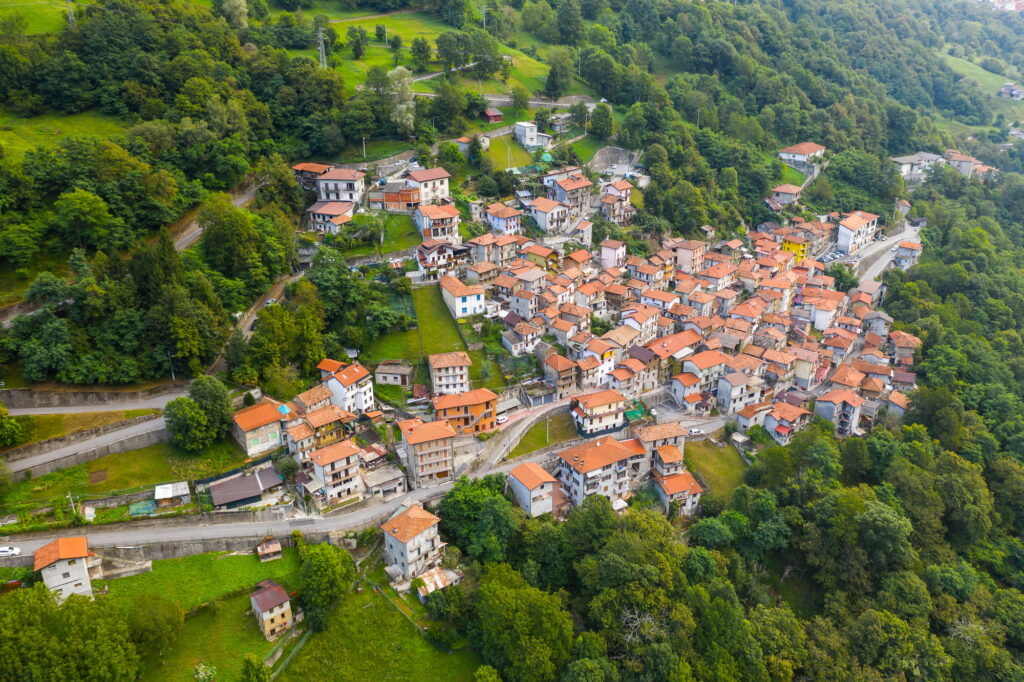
x=27, y=398
x=139, y=440
x=23, y=451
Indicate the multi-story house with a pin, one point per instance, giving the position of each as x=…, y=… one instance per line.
x=411, y=542
x=449, y=372
x=306, y=174
x=535, y=490
x=438, y=222
x=469, y=412
x=504, y=219
x=784, y=420
x=802, y=153
x=550, y=216
x=272, y=608
x=327, y=424
x=432, y=184
x=855, y=231
x=736, y=390
x=689, y=255
x=561, y=372
x=842, y=407
x=352, y=388
x=463, y=300
x=906, y=255
x=329, y=216
x=429, y=450
x=437, y=258
x=599, y=412
x=394, y=197
x=337, y=466
x=574, y=193
x=521, y=339
x=341, y=184
x=62, y=564
x=257, y=428
x=681, y=488
x=707, y=366
x=613, y=253
x=600, y=467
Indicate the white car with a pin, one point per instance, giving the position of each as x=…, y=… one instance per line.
x=8, y=550
x=501, y=420
x=696, y=432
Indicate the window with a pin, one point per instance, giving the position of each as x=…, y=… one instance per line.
x=66, y=575
x=71, y=562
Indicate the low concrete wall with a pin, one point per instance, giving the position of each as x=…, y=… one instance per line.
x=27, y=398
x=23, y=451
x=178, y=549
x=139, y=440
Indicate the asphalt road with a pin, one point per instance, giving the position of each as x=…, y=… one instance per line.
x=94, y=442
x=191, y=232
x=159, y=401
x=876, y=257
x=143, y=533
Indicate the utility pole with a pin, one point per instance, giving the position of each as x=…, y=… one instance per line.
x=485, y=17
x=322, y=47
x=72, y=24
x=72, y=501
x=364, y=148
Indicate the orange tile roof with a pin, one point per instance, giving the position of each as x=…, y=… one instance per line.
x=428, y=174
x=559, y=363
x=574, y=182
x=352, y=374
x=329, y=365
x=416, y=431
x=456, y=288
x=480, y=395
x=787, y=189
x=300, y=432
x=409, y=523
x=600, y=398
x=679, y=483
x=596, y=454
x=309, y=167
x=255, y=416
x=544, y=205
x=500, y=210
x=446, y=360
x=332, y=453
x=342, y=174
x=669, y=454
x=61, y=548
x=706, y=359
x=326, y=415
x=531, y=475
x=803, y=148
x=439, y=212
x=842, y=396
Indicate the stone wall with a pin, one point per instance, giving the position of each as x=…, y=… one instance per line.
x=27, y=398
x=23, y=451
x=139, y=440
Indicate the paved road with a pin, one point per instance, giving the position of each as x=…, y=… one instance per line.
x=95, y=442
x=563, y=103
x=142, y=534
x=158, y=401
x=877, y=256
x=190, y=233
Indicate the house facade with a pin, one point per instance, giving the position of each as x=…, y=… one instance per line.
x=463, y=300
x=62, y=564
x=449, y=372
x=429, y=449
x=411, y=542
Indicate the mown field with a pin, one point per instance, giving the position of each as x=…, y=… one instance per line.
x=19, y=134
x=40, y=427
x=721, y=468
x=557, y=429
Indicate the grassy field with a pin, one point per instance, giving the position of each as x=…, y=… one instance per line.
x=438, y=331
x=587, y=147
x=562, y=429
x=41, y=16
x=368, y=639
x=195, y=580
x=375, y=151
x=505, y=152
x=18, y=134
x=219, y=637
x=721, y=468
x=791, y=176
x=126, y=471
x=989, y=83
x=400, y=233
x=36, y=428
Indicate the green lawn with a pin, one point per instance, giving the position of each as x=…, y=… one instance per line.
x=721, y=468
x=438, y=331
x=36, y=428
x=505, y=152
x=526, y=71
x=41, y=16
x=18, y=134
x=636, y=197
x=989, y=83
x=400, y=233
x=200, y=578
x=587, y=147
x=368, y=639
x=375, y=150
x=562, y=429
x=220, y=637
x=125, y=471
x=791, y=176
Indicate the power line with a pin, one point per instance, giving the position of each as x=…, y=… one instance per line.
x=72, y=24
x=322, y=48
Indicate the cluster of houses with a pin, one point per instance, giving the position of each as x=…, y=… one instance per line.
x=915, y=168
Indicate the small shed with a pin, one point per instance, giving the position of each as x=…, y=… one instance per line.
x=172, y=494
x=492, y=115
x=269, y=550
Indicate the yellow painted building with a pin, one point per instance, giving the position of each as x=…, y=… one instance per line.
x=796, y=245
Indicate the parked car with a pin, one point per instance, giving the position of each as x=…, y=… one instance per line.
x=8, y=550
x=696, y=432
x=501, y=420
x=270, y=301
